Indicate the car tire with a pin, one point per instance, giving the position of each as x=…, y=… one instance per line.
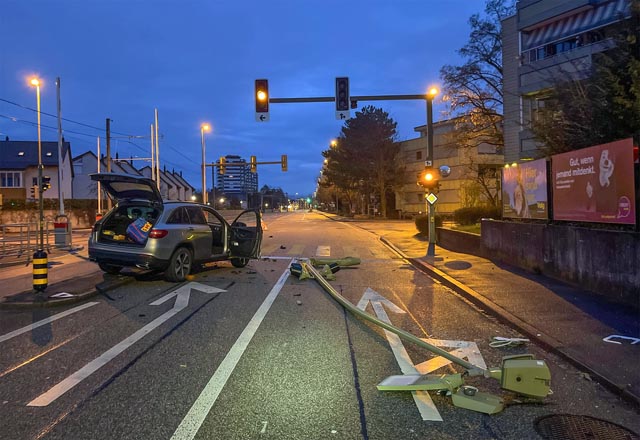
x=239, y=262
x=180, y=265
x=112, y=269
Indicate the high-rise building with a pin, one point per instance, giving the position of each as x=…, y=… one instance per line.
x=238, y=181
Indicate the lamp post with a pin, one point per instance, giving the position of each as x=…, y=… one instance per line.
x=334, y=144
x=36, y=83
x=432, y=93
x=203, y=128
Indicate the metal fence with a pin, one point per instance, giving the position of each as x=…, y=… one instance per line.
x=21, y=240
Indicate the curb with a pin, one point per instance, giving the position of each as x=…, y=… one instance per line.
x=549, y=343
x=43, y=302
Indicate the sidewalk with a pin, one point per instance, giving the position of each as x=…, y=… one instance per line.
x=566, y=320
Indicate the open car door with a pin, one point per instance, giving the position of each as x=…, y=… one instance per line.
x=246, y=236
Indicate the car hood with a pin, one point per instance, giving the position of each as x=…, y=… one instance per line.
x=128, y=187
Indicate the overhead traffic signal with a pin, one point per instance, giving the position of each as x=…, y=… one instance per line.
x=262, y=96
x=428, y=178
x=223, y=165
x=46, y=183
x=342, y=94
x=283, y=162
x=254, y=164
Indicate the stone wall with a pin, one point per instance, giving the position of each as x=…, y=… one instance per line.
x=606, y=262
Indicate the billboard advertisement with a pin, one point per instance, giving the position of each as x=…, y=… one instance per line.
x=595, y=184
x=524, y=190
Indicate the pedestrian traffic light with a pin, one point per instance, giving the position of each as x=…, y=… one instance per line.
x=223, y=165
x=342, y=94
x=34, y=191
x=254, y=164
x=428, y=178
x=262, y=96
x=46, y=183
x=283, y=162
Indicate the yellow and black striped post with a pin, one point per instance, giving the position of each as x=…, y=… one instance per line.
x=40, y=270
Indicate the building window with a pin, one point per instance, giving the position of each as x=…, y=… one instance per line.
x=10, y=179
x=419, y=155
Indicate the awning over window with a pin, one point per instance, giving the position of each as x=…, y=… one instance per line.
x=591, y=19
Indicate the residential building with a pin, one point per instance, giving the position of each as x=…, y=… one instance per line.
x=460, y=188
x=187, y=190
x=548, y=40
x=19, y=169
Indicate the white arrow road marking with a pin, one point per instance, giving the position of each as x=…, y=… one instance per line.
x=464, y=349
x=195, y=417
x=182, y=300
x=45, y=321
x=425, y=405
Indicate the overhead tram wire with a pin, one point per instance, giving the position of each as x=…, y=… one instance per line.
x=64, y=119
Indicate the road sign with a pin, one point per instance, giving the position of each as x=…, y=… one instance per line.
x=343, y=115
x=432, y=198
x=262, y=117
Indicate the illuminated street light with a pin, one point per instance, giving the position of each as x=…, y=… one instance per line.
x=204, y=127
x=36, y=83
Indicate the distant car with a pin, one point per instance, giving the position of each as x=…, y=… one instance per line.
x=144, y=231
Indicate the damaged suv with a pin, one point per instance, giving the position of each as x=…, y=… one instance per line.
x=144, y=231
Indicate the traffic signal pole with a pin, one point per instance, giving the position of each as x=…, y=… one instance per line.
x=431, y=248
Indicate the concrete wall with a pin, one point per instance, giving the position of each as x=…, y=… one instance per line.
x=605, y=262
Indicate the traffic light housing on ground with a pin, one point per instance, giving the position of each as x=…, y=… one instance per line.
x=283, y=162
x=342, y=94
x=262, y=96
x=46, y=183
x=254, y=164
x=223, y=165
x=428, y=178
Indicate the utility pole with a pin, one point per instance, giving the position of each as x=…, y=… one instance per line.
x=60, y=193
x=157, y=151
x=108, y=156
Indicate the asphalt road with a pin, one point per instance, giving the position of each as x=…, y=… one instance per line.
x=255, y=353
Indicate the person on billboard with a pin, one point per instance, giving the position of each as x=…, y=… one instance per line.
x=606, y=193
x=520, y=205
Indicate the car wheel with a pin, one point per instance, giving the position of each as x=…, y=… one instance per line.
x=112, y=269
x=239, y=262
x=180, y=265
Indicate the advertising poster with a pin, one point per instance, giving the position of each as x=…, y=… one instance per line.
x=525, y=190
x=595, y=184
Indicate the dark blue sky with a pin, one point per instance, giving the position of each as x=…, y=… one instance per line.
x=196, y=61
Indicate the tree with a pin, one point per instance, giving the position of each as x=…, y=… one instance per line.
x=474, y=91
x=365, y=155
x=604, y=106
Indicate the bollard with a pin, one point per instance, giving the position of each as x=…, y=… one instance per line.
x=40, y=270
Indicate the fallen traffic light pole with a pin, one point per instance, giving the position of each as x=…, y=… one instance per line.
x=521, y=374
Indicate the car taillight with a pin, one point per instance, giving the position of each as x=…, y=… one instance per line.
x=158, y=233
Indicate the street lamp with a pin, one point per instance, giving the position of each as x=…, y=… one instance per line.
x=334, y=144
x=204, y=127
x=431, y=94
x=36, y=83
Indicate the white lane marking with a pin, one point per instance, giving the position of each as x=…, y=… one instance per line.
x=182, y=300
x=195, y=417
x=275, y=257
x=323, y=251
x=424, y=403
x=30, y=327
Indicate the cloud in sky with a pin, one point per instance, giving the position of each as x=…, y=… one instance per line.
x=196, y=61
